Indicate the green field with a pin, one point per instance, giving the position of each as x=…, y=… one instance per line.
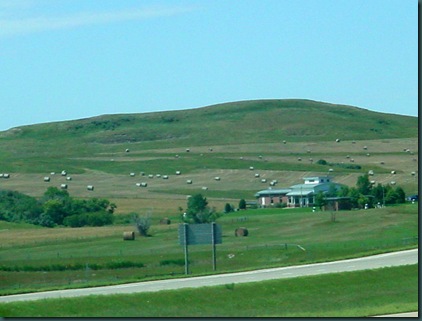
x=280, y=139
x=34, y=259
x=351, y=294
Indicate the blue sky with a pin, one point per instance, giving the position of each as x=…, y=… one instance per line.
x=71, y=59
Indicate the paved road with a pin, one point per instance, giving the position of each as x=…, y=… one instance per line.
x=369, y=262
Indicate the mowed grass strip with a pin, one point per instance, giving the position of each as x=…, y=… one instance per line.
x=349, y=294
x=272, y=239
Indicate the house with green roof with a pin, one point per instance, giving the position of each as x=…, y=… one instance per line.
x=299, y=195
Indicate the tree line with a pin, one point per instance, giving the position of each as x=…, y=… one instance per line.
x=55, y=207
x=365, y=194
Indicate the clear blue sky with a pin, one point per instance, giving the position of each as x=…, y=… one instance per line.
x=71, y=59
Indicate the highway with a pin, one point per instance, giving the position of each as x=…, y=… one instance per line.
x=363, y=263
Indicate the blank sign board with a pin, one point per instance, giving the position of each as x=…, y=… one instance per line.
x=194, y=234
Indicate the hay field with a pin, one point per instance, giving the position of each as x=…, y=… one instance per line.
x=110, y=174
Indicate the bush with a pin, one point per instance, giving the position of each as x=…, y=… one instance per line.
x=179, y=262
x=123, y=264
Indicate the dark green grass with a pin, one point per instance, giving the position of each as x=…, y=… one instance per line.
x=351, y=294
x=272, y=241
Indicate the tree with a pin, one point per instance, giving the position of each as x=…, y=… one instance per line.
x=198, y=211
x=228, y=208
x=332, y=191
x=320, y=202
x=363, y=185
x=142, y=223
x=242, y=204
x=401, y=196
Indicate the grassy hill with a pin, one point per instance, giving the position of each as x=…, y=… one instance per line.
x=238, y=122
x=223, y=140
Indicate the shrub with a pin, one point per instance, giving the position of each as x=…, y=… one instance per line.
x=179, y=262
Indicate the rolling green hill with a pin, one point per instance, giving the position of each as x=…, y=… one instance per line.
x=224, y=140
x=238, y=122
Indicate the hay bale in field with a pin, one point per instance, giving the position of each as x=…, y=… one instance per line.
x=138, y=184
x=178, y=172
x=151, y=176
x=63, y=186
x=144, y=184
x=263, y=180
x=393, y=172
x=241, y=231
x=393, y=183
x=165, y=177
x=132, y=174
x=90, y=187
x=299, y=159
x=371, y=172
x=127, y=150
x=257, y=175
x=6, y=176
x=128, y=236
x=46, y=179
x=251, y=168
x=165, y=221
x=68, y=178
x=365, y=147
x=284, y=142
x=217, y=178
x=204, y=188
x=189, y=181
x=338, y=140
x=63, y=173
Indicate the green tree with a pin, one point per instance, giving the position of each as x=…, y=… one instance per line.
x=142, y=223
x=198, y=211
x=54, y=209
x=228, y=208
x=320, y=201
x=401, y=195
x=242, y=204
x=363, y=185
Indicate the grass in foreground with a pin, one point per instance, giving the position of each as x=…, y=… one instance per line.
x=349, y=294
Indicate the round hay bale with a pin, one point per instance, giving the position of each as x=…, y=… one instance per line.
x=63, y=186
x=6, y=175
x=165, y=221
x=90, y=187
x=178, y=172
x=63, y=173
x=132, y=174
x=128, y=236
x=241, y=231
x=68, y=178
x=46, y=179
x=189, y=181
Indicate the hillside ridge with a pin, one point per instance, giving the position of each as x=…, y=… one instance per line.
x=266, y=120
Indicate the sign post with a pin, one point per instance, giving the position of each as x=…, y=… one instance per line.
x=194, y=234
x=214, y=258
x=185, y=242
